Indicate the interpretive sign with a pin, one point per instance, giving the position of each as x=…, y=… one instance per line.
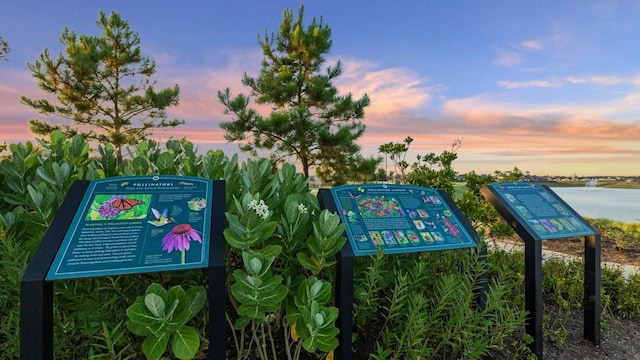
x=399, y=218
x=139, y=224
x=536, y=213
x=540, y=210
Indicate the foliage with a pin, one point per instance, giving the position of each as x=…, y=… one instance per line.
x=409, y=304
x=510, y=175
x=287, y=246
x=161, y=316
x=625, y=235
x=435, y=171
x=397, y=152
x=482, y=215
x=356, y=168
x=4, y=49
x=309, y=120
x=34, y=181
x=425, y=306
x=94, y=87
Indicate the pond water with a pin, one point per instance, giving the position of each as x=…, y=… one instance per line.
x=595, y=202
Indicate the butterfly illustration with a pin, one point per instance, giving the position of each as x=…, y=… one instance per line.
x=123, y=203
x=355, y=197
x=161, y=218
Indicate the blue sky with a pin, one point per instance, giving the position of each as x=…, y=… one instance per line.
x=552, y=88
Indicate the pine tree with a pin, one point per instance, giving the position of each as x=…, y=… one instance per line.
x=309, y=119
x=102, y=84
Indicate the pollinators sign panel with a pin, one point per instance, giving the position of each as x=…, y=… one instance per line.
x=129, y=225
x=540, y=211
x=400, y=219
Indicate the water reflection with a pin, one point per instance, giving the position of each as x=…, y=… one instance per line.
x=595, y=202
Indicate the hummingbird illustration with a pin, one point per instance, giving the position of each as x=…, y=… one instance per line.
x=162, y=218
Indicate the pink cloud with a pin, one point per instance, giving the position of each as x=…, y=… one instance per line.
x=391, y=90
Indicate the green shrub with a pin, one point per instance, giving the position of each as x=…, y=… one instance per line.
x=410, y=305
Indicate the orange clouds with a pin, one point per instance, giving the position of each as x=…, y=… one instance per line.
x=601, y=138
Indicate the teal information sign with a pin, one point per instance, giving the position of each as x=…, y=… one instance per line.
x=129, y=225
x=540, y=210
x=399, y=218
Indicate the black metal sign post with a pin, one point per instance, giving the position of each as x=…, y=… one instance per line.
x=217, y=274
x=536, y=213
x=344, y=285
x=36, y=293
x=345, y=259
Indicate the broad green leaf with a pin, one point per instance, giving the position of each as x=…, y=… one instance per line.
x=36, y=197
x=139, y=313
x=140, y=165
x=155, y=304
x=165, y=161
x=154, y=346
x=306, y=262
x=45, y=176
x=234, y=241
x=185, y=343
x=271, y=252
x=57, y=137
x=138, y=328
x=255, y=265
x=157, y=289
x=242, y=322
x=197, y=297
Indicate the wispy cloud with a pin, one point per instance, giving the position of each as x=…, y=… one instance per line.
x=600, y=80
x=532, y=45
x=530, y=84
x=507, y=58
x=573, y=80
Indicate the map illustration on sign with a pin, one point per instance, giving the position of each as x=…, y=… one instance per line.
x=540, y=210
x=398, y=218
x=138, y=224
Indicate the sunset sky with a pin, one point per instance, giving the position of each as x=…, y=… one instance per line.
x=549, y=87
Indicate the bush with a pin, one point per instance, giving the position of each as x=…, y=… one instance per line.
x=280, y=243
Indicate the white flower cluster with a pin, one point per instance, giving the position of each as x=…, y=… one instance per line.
x=260, y=208
x=302, y=209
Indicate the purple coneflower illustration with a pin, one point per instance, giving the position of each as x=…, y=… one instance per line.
x=179, y=238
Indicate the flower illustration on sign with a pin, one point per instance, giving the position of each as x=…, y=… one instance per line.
x=179, y=238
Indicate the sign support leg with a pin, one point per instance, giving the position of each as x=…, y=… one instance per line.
x=533, y=294
x=592, y=300
x=217, y=274
x=344, y=301
x=344, y=285
x=36, y=333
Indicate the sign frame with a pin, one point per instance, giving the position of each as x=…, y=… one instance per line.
x=400, y=219
x=345, y=268
x=36, y=292
x=506, y=207
x=548, y=217
x=164, y=215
